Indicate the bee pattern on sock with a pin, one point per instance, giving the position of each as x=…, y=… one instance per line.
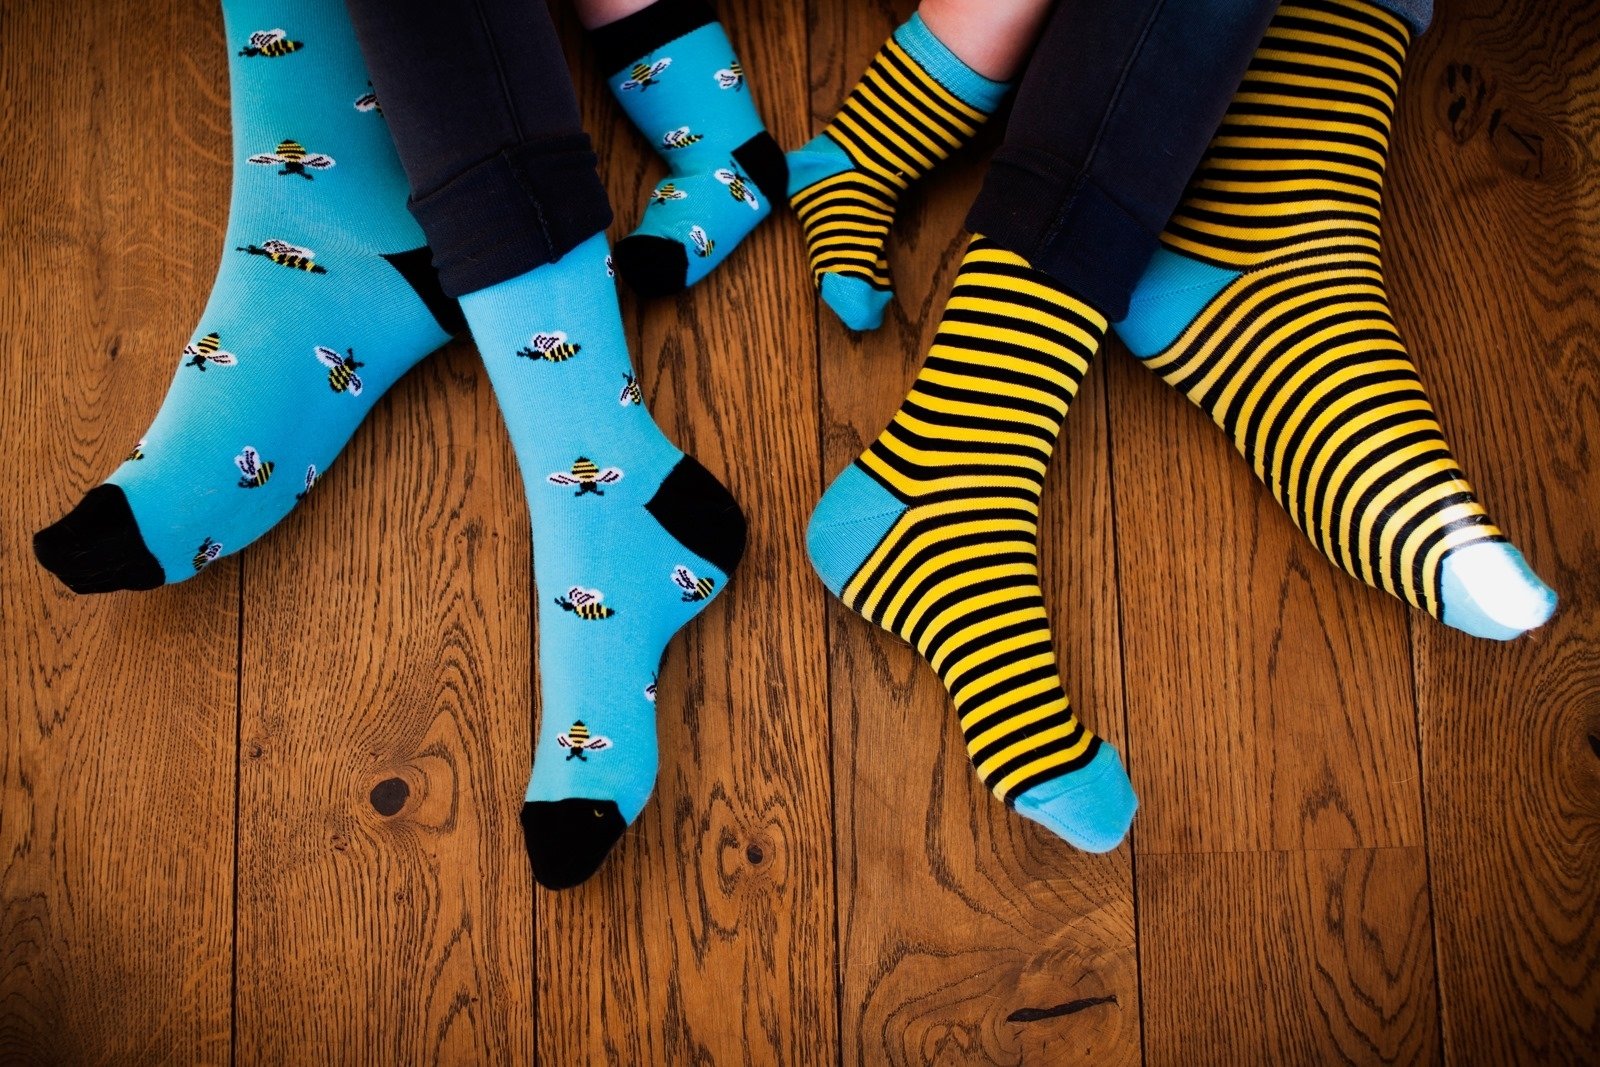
x=675, y=73
x=1267, y=308
x=323, y=299
x=631, y=540
x=915, y=104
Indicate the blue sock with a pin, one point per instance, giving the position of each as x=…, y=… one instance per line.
x=675, y=73
x=916, y=103
x=324, y=297
x=631, y=540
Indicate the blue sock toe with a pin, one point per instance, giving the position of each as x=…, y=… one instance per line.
x=1091, y=808
x=859, y=305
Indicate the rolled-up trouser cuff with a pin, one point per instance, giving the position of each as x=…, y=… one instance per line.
x=524, y=206
x=1051, y=214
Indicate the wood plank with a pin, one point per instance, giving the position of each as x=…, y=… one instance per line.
x=1498, y=222
x=967, y=934
x=387, y=662
x=708, y=935
x=1270, y=700
x=1288, y=957
x=117, y=726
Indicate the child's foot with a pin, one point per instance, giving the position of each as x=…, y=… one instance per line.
x=1268, y=309
x=916, y=103
x=631, y=540
x=933, y=535
x=324, y=298
x=675, y=73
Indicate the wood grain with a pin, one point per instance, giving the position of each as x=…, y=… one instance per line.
x=1284, y=957
x=1500, y=219
x=116, y=749
x=1362, y=838
x=967, y=934
x=384, y=747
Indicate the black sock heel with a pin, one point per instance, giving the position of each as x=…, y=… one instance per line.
x=698, y=510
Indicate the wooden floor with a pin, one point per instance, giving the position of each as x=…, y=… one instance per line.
x=270, y=815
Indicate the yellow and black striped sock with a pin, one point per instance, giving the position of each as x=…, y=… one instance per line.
x=916, y=103
x=932, y=534
x=1267, y=308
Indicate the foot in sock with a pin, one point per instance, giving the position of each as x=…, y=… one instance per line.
x=325, y=296
x=631, y=540
x=932, y=534
x=674, y=71
x=1267, y=308
x=916, y=104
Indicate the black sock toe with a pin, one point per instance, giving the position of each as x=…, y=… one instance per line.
x=652, y=266
x=568, y=839
x=96, y=547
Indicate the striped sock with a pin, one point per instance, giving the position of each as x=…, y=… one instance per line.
x=932, y=534
x=916, y=103
x=1267, y=308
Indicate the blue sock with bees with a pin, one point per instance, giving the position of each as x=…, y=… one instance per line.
x=631, y=540
x=674, y=71
x=324, y=297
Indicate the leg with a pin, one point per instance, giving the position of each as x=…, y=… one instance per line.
x=674, y=72
x=932, y=533
x=321, y=258
x=924, y=95
x=1267, y=307
x=625, y=525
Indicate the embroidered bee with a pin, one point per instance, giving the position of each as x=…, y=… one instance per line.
x=681, y=138
x=208, y=350
x=667, y=191
x=285, y=254
x=295, y=159
x=702, y=244
x=311, y=480
x=738, y=187
x=586, y=476
x=342, y=376
x=631, y=394
x=137, y=452
x=270, y=44
x=644, y=75
x=578, y=740
x=255, y=470
x=650, y=690
x=552, y=347
x=369, y=102
x=208, y=551
x=694, y=589
x=585, y=604
x=731, y=76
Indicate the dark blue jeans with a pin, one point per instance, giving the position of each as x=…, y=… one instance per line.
x=480, y=104
x=1111, y=118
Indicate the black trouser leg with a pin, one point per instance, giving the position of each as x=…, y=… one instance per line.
x=1112, y=116
x=479, y=101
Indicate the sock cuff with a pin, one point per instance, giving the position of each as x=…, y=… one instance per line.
x=635, y=36
x=946, y=68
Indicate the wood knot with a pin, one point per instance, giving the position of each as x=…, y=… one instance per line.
x=1071, y=1007
x=753, y=853
x=389, y=796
